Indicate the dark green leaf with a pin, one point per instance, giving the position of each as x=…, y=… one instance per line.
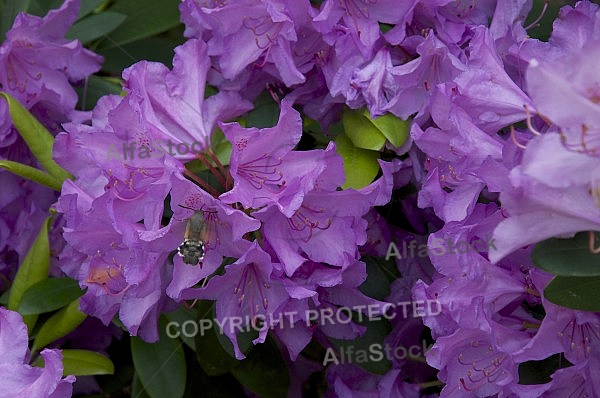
x=157, y=49
x=377, y=284
x=41, y=7
x=567, y=257
x=539, y=372
x=137, y=389
x=49, y=295
x=32, y=174
x=375, y=334
x=264, y=372
x=180, y=316
x=59, y=325
x=8, y=11
x=93, y=89
x=145, y=18
x=95, y=26
x=360, y=165
x=577, y=292
x=38, y=139
x=86, y=363
x=210, y=353
x=87, y=6
x=160, y=366
x=201, y=385
x=265, y=112
x=32, y=270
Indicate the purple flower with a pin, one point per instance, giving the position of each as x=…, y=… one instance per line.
x=551, y=197
x=416, y=79
x=19, y=379
x=328, y=226
x=474, y=362
x=249, y=32
x=171, y=105
x=225, y=226
x=265, y=170
x=245, y=292
x=38, y=65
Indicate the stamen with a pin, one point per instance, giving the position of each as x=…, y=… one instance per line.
x=592, y=241
x=514, y=138
x=539, y=18
x=203, y=184
x=528, y=120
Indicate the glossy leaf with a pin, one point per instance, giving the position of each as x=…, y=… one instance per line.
x=32, y=270
x=87, y=6
x=32, y=174
x=8, y=11
x=37, y=138
x=375, y=334
x=160, y=366
x=49, y=295
x=93, y=89
x=59, y=325
x=264, y=372
x=567, y=257
x=361, y=131
x=145, y=18
x=577, y=292
x=360, y=165
x=95, y=26
x=393, y=128
x=210, y=354
x=86, y=363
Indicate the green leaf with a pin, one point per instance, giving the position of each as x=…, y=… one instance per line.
x=38, y=139
x=361, y=131
x=41, y=7
x=540, y=372
x=59, y=325
x=180, y=316
x=157, y=49
x=265, y=112
x=577, y=292
x=221, y=146
x=393, y=128
x=377, y=284
x=49, y=295
x=160, y=366
x=8, y=11
x=93, y=89
x=32, y=270
x=31, y=173
x=145, y=18
x=375, y=334
x=210, y=354
x=360, y=165
x=137, y=389
x=86, y=363
x=95, y=26
x=87, y=6
x=264, y=372
x=567, y=257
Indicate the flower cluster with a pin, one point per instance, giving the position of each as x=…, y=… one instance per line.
x=264, y=219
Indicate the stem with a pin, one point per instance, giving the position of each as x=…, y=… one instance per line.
x=212, y=169
x=435, y=383
x=221, y=168
x=201, y=183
